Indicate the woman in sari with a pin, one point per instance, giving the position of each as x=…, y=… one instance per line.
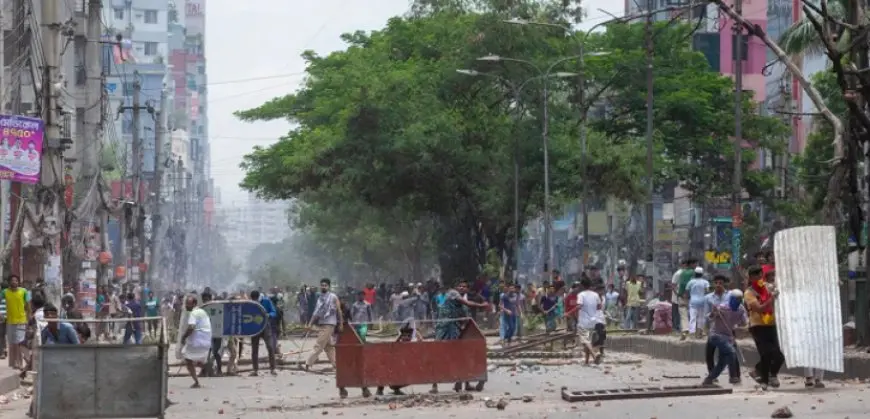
x=450, y=320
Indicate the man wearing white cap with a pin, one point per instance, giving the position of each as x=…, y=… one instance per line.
x=697, y=295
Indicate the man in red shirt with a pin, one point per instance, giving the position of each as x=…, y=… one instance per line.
x=369, y=294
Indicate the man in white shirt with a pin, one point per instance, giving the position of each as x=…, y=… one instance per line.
x=589, y=306
x=196, y=341
x=696, y=291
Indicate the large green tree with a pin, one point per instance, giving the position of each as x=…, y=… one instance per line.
x=693, y=111
x=389, y=125
x=394, y=149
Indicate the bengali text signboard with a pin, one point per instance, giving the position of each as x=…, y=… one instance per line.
x=20, y=148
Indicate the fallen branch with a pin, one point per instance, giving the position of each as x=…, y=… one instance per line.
x=838, y=174
x=806, y=85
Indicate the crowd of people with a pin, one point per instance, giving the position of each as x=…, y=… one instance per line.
x=693, y=304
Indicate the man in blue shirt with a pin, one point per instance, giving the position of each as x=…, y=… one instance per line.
x=133, y=329
x=509, y=314
x=268, y=335
x=56, y=332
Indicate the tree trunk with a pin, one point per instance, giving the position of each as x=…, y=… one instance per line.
x=457, y=250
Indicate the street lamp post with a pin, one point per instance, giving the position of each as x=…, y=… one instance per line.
x=581, y=79
x=516, y=91
x=545, y=74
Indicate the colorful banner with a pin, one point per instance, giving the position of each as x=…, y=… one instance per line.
x=20, y=148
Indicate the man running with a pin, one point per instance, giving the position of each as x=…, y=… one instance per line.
x=760, y=298
x=325, y=320
x=196, y=341
x=589, y=305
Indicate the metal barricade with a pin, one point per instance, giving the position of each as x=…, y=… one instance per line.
x=407, y=363
x=96, y=380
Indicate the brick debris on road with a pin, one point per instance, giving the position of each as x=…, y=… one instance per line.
x=519, y=388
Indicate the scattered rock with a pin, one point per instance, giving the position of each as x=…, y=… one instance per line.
x=501, y=405
x=464, y=397
x=528, y=398
x=782, y=413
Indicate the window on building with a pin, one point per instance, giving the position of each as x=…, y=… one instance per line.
x=150, y=49
x=200, y=69
x=119, y=13
x=128, y=88
x=151, y=16
x=127, y=126
x=744, y=49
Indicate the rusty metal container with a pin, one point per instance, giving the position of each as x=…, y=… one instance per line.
x=408, y=363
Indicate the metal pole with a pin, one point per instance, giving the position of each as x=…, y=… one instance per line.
x=94, y=95
x=137, y=176
x=157, y=213
x=548, y=226
x=584, y=206
x=649, y=131
x=737, y=186
x=5, y=185
x=517, y=226
x=52, y=157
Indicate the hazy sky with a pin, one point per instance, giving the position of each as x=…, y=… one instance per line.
x=263, y=39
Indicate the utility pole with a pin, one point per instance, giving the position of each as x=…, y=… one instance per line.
x=93, y=117
x=52, y=156
x=5, y=194
x=737, y=186
x=548, y=227
x=137, y=137
x=650, y=223
x=90, y=168
x=584, y=205
x=16, y=72
x=133, y=210
x=156, y=212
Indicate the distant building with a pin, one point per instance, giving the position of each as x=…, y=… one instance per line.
x=246, y=224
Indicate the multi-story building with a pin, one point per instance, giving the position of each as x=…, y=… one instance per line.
x=142, y=23
x=249, y=223
x=785, y=96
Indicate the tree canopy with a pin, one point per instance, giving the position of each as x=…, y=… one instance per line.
x=396, y=153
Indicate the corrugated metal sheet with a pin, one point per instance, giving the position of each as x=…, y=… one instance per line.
x=808, y=309
x=102, y=381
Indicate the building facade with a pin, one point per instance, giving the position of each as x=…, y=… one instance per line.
x=252, y=222
x=143, y=24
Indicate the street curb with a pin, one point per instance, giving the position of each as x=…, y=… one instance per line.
x=9, y=382
x=855, y=367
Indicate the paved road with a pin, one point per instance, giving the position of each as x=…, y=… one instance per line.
x=300, y=394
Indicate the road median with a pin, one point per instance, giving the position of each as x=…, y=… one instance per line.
x=856, y=364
